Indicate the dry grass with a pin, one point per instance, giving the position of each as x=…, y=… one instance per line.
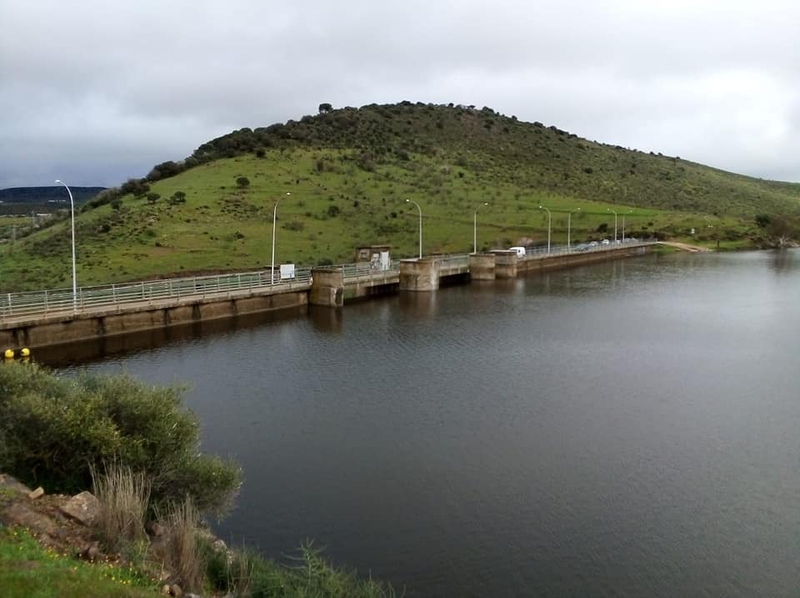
x=240, y=573
x=124, y=496
x=179, y=549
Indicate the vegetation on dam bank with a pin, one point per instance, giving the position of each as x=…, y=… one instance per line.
x=142, y=525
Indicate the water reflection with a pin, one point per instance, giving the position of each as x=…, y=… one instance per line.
x=326, y=319
x=145, y=340
x=783, y=261
x=500, y=286
x=419, y=304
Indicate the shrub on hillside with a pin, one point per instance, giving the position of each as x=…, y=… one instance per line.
x=165, y=170
x=137, y=187
x=55, y=430
x=102, y=198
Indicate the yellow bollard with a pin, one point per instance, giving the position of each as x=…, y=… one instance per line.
x=9, y=354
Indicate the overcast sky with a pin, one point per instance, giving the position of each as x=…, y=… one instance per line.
x=98, y=91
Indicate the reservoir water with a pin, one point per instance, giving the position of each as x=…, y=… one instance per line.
x=629, y=428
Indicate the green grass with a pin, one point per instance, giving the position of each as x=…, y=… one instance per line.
x=28, y=570
x=223, y=228
x=307, y=575
x=349, y=173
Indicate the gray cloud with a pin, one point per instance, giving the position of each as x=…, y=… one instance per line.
x=97, y=92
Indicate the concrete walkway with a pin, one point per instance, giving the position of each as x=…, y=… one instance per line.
x=685, y=246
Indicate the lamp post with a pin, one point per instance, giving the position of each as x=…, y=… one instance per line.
x=420, y=224
x=549, y=225
x=615, y=222
x=274, y=219
x=74, y=272
x=569, y=229
x=623, y=223
x=716, y=229
x=475, y=228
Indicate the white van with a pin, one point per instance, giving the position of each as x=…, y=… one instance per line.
x=520, y=251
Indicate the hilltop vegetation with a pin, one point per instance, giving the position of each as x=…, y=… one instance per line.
x=343, y=177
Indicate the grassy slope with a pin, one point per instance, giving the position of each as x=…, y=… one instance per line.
x=28, y=570
x=349, y=173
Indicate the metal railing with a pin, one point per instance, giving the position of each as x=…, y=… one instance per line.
x=452, y=264
x=594, y=246
x=116, y=295
x=368, y=270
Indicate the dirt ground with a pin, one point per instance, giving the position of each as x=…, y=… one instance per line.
x=47, y=517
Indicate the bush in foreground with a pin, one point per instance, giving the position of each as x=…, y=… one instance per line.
x=54, y=430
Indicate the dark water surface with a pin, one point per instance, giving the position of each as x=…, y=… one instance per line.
x=623, y=429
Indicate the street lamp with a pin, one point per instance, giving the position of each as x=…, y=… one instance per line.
x=274, y=218
x=623, y=223
x=475, y=228
x=615, y=222
x=716, y=229
x=74, y=272
x=569, y=229
x=549, y=225
x=420, y=225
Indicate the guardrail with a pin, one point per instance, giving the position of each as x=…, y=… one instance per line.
x=116, y=295
x=453, y=264
x=368, y=270
x=594, y=246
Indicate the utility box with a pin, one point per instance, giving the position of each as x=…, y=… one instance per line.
x=375, y=255
x=287, y=271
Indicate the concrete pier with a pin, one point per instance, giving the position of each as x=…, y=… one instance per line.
x=327, y=287
x=505, y=263
x=419, y=275
x=482, y=266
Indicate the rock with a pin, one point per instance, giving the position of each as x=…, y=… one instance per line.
x=83, y=507
x=165, y=589
x=21, y=514
x=39, y=492
x=9, y=483
x=90, y=552
x=175, y=590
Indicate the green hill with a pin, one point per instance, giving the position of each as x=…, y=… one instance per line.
x=349, y=172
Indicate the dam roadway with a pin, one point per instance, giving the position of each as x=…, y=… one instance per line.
x=47, y=318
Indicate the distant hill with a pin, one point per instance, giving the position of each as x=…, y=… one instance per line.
x=23, y=200
x=343, y=178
